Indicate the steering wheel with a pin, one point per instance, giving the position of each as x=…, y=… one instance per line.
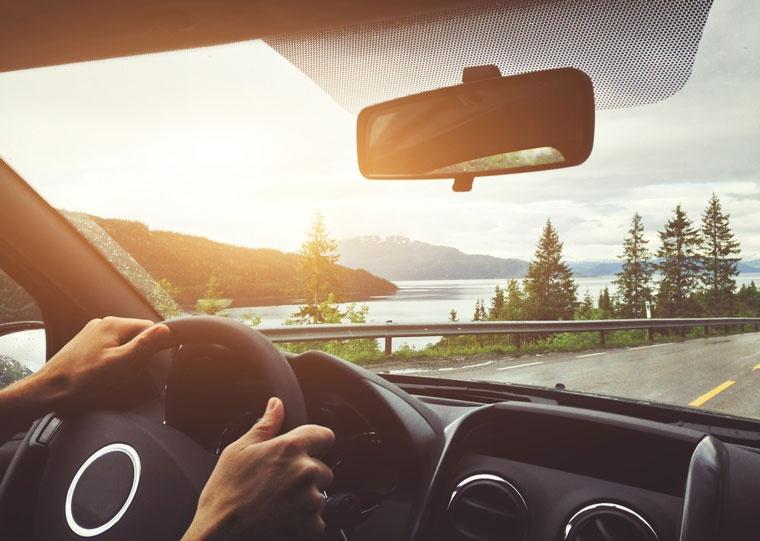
x=125, y=474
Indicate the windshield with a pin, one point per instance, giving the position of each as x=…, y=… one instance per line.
x=224, y=180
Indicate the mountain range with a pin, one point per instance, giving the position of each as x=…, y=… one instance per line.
x=401, y=258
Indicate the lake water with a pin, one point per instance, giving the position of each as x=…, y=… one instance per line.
x=423, y=301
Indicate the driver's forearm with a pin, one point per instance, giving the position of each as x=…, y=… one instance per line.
x=24, y=401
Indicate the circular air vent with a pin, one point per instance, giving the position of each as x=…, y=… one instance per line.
x=486, y=507
x=605, y=521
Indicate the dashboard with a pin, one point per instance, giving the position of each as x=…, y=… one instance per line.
x=535, y=471
x=431, y=468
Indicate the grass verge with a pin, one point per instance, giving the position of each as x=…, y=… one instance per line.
x=368, y=352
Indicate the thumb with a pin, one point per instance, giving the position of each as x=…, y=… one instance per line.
x=270, y=423
x=149, y=341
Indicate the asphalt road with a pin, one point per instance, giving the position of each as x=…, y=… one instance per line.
x=720, y=373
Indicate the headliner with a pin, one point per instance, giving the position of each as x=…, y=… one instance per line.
x=36, y=33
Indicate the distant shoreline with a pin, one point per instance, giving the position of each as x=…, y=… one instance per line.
x=482, y=287
x=255, y=302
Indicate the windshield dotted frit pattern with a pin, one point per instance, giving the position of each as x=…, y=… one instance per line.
x=635, y=51
x=15, y=303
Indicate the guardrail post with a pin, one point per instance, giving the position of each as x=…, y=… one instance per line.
x=650, y=334
x=725, y=329
x=683, y=332
x=755, y=327
x=707, y=330
x=388, y=345
x=518, y=340
x=601, y=338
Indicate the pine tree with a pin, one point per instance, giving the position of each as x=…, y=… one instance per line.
x=679, y=266
x=748, y=300
x=316, y=263
x=585, y=308
x=719, y=264
x=480, y=311
x=497, y=304
x=212, y=302
x=605, y=303
x=316, y=276
x=453, y=316
x=514, y=303
x=634, y=281
x=213, y=288
x=549, y=284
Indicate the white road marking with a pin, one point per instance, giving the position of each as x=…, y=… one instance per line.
x=652, y=346
x=520, y=365
x=409, y=371
x=463, y=367
x=476, y=365
x=590, y=355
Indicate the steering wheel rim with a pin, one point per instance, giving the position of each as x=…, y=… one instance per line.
x=74, y=444
x=250, y=343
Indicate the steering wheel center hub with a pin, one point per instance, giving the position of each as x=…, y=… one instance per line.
x=107, y=483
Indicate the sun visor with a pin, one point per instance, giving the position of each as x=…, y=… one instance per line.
x=635, y=51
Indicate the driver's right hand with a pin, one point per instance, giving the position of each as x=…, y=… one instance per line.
x=266, y=486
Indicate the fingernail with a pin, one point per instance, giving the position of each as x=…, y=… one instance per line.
x=271, y=403
x=158, y=330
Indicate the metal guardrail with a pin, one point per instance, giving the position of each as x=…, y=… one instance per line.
x=388, y=331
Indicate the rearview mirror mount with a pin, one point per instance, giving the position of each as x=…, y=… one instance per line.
x=488, y=125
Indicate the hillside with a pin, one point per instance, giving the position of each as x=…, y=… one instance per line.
x=249, y=276
x=594, y=268
x=749, y=266
x=400, y=258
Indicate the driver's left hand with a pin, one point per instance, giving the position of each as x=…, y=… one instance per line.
x=98, y=368
x=106, y=354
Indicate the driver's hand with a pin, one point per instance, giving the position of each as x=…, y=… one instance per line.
x=266, y=486
x=106, y=354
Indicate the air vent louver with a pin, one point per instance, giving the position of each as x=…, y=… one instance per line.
x=605, y=521
x=486, y=508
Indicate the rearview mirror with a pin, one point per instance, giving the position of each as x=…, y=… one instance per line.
x=491, y=126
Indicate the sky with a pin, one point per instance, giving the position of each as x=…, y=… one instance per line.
x=235, y=144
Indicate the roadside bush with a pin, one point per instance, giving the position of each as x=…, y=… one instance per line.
x=357, y=351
